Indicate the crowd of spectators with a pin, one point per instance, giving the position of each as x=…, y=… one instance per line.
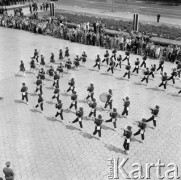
x=91, y=34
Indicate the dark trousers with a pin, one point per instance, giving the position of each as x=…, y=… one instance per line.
x=126, y=145
x=160, y=67
x=80, y=122
x=125, y=111
x=173, y=80
x=70, y=88
x=40, y=89
x=95, y=131
x=106, y=59
x=152, y=118
x=97, y=65
x=136, y=69
x=118, y=64
x=92, y=96
x=59, y=114
x=56, y=96
x=41, y=106
x=111, y=68
x=25, y=97
x=179, y=92
x=114, y=123
x=163, y=84
x=143, y=63
x=92, y=113
x=138, y=132
x=56, y=84
x=75, y=105
x=152, y=73
x=145, y=78
x=127, y=73
x=108, y=103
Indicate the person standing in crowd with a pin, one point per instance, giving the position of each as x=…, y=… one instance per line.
x=109, y=100
x=59, y=106
x=106, y=57
x=136, y=68
x=93, y=106
x=128, y=71
x=144, y=61
x=164, y=81
x=22, y=68
x=127, y=133
x=71, y=85
x=154, y=116
x=8, y=172
x=74, y=100
x=98, y=124
x=152, y=70
x=113, y=117
x=98, y=61
x=79, y=117
x=142, y=127
x=24, y=91
x=126, y=107
x=40, y=102
x=90, y=89
x=146, y=75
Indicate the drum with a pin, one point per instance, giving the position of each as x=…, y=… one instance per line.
x=103, y=97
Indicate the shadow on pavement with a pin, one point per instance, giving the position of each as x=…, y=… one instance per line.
x=113, y=148
x=46, y=79
x=88, y=136
x=175, y=95
x=65, y=94
x=107, y=128
x=35, y=110
x=154, y=89
x=70, y=127
x=19, y=101
x=53, y=119
x=122, y=79
x=92, y=69
x=82, y=101
x=19, y=75
x=49, y=102
x=29, y=72
x=107, y=74
x=138, y=83
x=50, y=88
x=32, y=94
x=133, y=139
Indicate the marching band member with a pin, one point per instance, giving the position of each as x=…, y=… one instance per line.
x=109, y=100
x=164, y=81
x=76, y=62
x=90, y=89
x=56, y=93
x=113, y=118
x=22, y=68
x=71, y=85
x=152, y=70
x=173, y=75
x=146, y=75
x=40, y=102
x=35, y=55
x=42, y=61
x=68, y=64
x=127, y=133
x=60, y=69
x=161, y=65
x=128, y=69
x=93, y=106
x=24, y=91
x=144, y=61
x=41, y=74
x=84, y=58
x=39, y=85
x=137, y=63
x=60, y=54
x=58, y=106
x=67, y=52
x=111, y=67
x=74, y=100
x=98, y=61
x=106, y=57
x=119, y=61
x=51, y=72
x=98, y=124
x=127, y=56
x=56, y=80
x=126, y=107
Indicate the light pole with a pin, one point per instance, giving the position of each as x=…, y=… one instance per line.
x=112, y=5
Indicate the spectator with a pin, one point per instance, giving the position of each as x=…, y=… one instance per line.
x=9, y=174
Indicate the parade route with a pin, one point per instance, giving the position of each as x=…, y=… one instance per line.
x=42, y=148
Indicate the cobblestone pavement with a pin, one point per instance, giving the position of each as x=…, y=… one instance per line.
x=41, y=148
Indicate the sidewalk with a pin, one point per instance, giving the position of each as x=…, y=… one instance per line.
x=120, y=15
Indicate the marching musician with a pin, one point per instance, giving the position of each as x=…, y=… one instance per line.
x=128, y=70
x=71, y=85
x=109, y=100
x=56, y=93
x=144, y=61
x=106, y=57
x=136, y=68
x=90, y=89
x=113, y=115
x=39, y=85
x=146, y=75
x=127, y=133
x=164, y=81
x=152, y=70
x=126, y=107
x=93, y=106
x=98, y=124
x=127, y=57
x=24, y=91
x=98, y=61
x=59, y=106
x=74, y=100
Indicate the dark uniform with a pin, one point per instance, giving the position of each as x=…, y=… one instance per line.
x=142, y=127
x=164, y=81
x=144, y=61
x=60, y=68
x=39, y=85
x=41, y=74
x=74, y=100
x=119, y=61
x=32, y=65
x=60, y=54
x=127, y=133
x=84, y=57
x=109, y=100
x=126, y=107
x=179, y=68
x=71, y=85
x=24, y=91
x=68, y=64
x=154, y=113
x=161, y=65
x=93, y=106
x=35, y=55
x=111, y=67
x=98, y=61
x=152, y=70
x=136, y=68
x=90, y=89
x=51, y=71
x=128, y=70
x=8, y=172
x=42, y=61
x=22, y=67
x=113, y=118
x=58, y=106
x=52, y=59
x=173, y=76
x=56, y=93
x=98, y=123
x=146, y=75
x=76, y=61
x=79, y=115
x=67, y=52
x=106, y=57
x=127, y=56
x=40, y=103
x=56, y=80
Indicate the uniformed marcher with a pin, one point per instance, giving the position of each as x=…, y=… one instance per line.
x=154, y=113
x=40, y=102
x=128, y=70
x=79, y=117
x=60, y=69
x=76, y=62
x=111, y=67
x=126, y=107
x=39, y=86
x=67, y=52
x=113, y=115
x=119, y=61
x=52, y=58
x=161, y=65
x=144, y=61
x=60, y=54
x=71, y=85
x=56, y=93
x=106, y=57
x=146, y=75
x=178, y=68
x=59, y=106
x=142, y=127
x=24, y=91
x=152, y=70
x=41, y=74
x=93, y=106
x=35, y=56
x=74, y=100
x=173, y=75
x=90, y=89
x=98, y=61
x=127, y=133
x=22, y=68
x=42, y=61
x=51, y=72
x=136, y=68
x=127, y=57
x=109, y=100
x=164, y=81
x=98, y=124
x=32, y=65
x=68, y=65
x=8, y=172
x=84, y=58
x=56, y=79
